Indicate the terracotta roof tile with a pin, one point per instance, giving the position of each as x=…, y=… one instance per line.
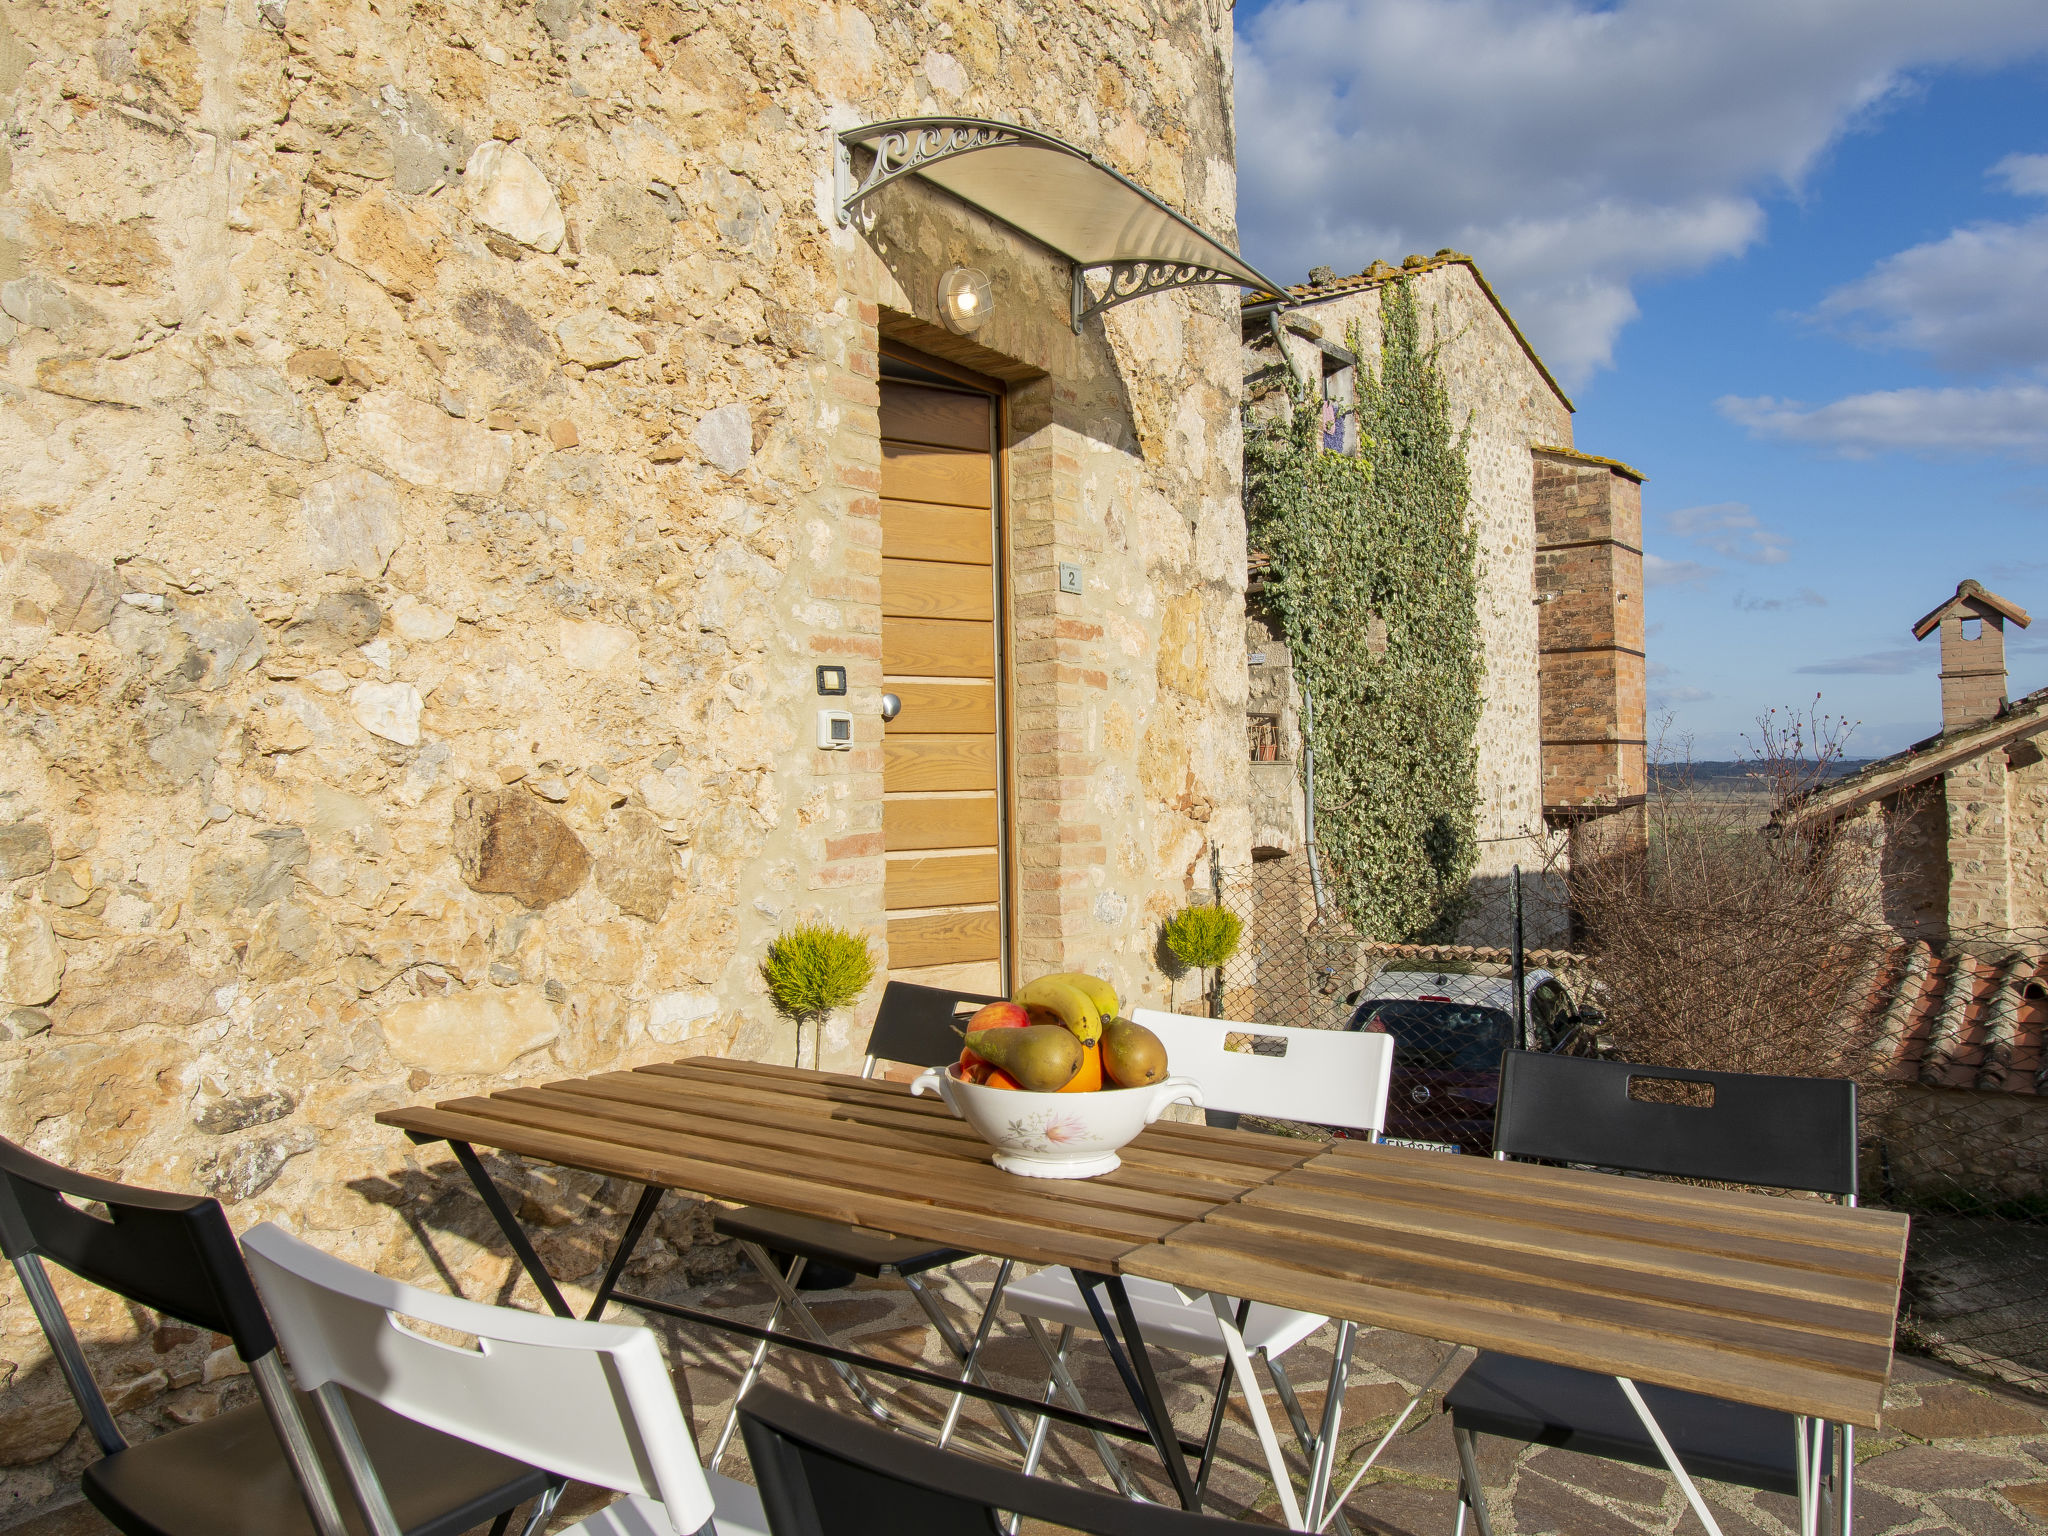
x=1381, y=273
x=1954, y=1020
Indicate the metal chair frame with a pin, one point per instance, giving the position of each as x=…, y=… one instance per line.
x=1327, y=1077
x=1782, y=1132
x=176, y=1255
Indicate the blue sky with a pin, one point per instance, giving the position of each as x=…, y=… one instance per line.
x=1791, y=261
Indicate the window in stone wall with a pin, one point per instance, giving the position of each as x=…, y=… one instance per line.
x=1973, y=629
x=1264, y=731
x=1340, y=407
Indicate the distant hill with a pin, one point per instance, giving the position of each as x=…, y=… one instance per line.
x=1725, y=779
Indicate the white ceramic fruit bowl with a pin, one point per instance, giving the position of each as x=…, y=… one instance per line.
x=1056, y=1135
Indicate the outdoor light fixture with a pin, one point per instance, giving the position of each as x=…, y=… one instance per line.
x=965, y=299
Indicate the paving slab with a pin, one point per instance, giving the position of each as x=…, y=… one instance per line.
x=1957, y=1456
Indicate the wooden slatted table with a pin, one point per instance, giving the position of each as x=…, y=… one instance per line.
x=858, y=1150
x=1783, y=1303
x=865, y=1152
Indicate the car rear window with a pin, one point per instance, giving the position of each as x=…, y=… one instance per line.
x=1447, y=1036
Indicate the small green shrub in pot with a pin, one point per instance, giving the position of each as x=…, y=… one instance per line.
x=814, y=969
x=1205, y=937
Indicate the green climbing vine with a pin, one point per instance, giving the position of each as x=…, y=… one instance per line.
x=1374, y=585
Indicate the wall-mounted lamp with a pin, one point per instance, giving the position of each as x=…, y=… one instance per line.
x=965, y=299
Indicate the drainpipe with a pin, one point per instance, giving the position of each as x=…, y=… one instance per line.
x=1308, y=774
x=1280, y=341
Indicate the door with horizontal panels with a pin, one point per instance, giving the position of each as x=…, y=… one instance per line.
x=942, y=773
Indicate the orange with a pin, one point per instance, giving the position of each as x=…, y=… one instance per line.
x=998, y=1078
x=1089, y=1078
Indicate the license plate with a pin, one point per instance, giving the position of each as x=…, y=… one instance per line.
x=1421, y=1146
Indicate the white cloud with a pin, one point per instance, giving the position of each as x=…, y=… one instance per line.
x=1731, y=530
x=1660, y=572
x=1973, y=300
x=1670, y=696
x=2023, y=175
x=1572, y=148
x=2009, y=420
x=1805, y=597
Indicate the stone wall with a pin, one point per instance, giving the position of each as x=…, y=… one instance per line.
x=1976, y=794
x=1511, y=406
x=439, y=442
x=2027, y=834
x=1277, y=801
x=1910, y=832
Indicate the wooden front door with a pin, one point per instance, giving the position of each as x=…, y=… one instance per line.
x=942, y=774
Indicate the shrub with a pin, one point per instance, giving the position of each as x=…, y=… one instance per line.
x=1728, y=943
x=813, y=969
x=1203, y=936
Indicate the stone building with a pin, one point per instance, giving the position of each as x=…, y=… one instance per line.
x=1561, y=737
x=464, y=489
x=1959, y=821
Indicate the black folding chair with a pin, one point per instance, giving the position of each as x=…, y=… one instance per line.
x=1778, y=1132
x=915, y=1026
x=255, y=1471
x=825, y=1474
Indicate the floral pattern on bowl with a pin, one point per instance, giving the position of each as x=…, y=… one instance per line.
x=1056, y=1135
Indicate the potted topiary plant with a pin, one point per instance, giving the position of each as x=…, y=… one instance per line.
x=1205, y=937
x=813, y=970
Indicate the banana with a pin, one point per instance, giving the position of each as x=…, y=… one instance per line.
x=1097, y=991
x=1074, y=1007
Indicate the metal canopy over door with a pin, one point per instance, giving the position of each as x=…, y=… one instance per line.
x=942, y=774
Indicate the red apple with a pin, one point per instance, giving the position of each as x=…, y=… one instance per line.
x=992, y=1016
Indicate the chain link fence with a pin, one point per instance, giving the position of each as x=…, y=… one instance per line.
x=1949, y=1045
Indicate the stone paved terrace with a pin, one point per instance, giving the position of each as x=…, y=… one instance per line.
x=1957, y=1458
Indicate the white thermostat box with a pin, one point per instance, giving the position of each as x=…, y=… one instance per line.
x=835, y=730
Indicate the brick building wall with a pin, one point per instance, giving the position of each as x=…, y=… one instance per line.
x=1589, y=580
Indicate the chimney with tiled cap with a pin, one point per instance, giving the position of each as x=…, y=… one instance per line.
x=1972, y=627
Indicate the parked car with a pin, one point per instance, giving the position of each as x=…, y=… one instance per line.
x=1450, y=1025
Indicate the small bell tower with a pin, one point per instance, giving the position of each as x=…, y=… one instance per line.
x=1972, y=625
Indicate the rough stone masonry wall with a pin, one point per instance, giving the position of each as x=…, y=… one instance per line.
x=2027, y=834
x=436, y=442
x=1511, y=408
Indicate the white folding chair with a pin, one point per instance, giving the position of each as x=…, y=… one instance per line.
x=591, y=1401
x=1325, y=1077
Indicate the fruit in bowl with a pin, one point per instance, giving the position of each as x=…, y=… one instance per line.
x=1056, y=1081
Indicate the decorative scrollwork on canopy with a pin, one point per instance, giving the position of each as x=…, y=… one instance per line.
x=897, y=153
x=1054, y=206
x=1127, y=280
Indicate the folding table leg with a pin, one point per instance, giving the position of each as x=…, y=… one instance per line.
x=793, y=1304
x=1324, y=1462
x=967, y=1364
x=636, y=1227
x=754, y=1363
x=1255, y=1404
x=1471, y=1492
x=1656, y=1432
x=1283, y=1388
x=1056, y=1363
x=1139, y=1379
x=1393, y=1429
x=494, y=1202
x=969, y=1354
x=1845, y=1480
x=1219, y=1409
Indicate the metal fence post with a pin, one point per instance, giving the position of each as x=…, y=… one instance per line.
x=1521, y=997
x=1216, y=896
